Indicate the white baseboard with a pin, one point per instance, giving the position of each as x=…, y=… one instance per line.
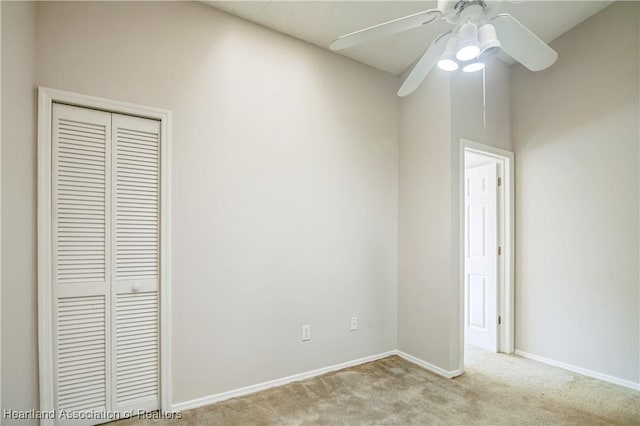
x=580, y=370
x=210, y=399
x=449, y=374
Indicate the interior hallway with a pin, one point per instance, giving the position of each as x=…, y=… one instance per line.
x=496, y=389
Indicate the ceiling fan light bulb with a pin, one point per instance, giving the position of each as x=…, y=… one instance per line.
x=473, y=67
x=489, y=43
x=447, y=64
x=468, y=47
x=448, y=60
x=468, y=53
x=488, y=52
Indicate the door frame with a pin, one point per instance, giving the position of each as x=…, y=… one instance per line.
x=46, y=98
x=506, y=219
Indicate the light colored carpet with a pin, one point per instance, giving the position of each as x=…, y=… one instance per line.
x=496, y=389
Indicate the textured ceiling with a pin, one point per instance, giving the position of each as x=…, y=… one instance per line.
x=320, y=22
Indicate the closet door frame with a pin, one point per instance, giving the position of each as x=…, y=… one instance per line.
x=46, y=98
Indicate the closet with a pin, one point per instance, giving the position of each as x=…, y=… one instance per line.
x=105, y=247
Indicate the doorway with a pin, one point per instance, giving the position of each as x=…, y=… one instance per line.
x=487, y=317
x=103, y=257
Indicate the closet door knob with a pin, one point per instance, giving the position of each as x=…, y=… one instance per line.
x=136, y=287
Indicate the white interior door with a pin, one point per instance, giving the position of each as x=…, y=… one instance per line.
x=81, y=147
x=135, y=271
x=481, y=257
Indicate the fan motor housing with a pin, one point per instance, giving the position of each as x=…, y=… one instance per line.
x=458, y=11
x=461, y=5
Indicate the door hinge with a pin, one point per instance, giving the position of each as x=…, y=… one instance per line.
x=499, y=181
x=499, y=320
x=499, y=250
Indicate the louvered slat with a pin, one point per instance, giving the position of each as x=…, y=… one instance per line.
x=136, y=346
x=81, y=361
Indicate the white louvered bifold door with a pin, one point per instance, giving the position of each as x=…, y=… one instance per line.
x=81, y=152
x=106, y=258
x=135, y=268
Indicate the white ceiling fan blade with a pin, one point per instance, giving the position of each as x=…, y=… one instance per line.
x=523, y=45
x=385, y=29
x=424, y=66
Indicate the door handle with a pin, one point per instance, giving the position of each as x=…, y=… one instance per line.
x=136, y=288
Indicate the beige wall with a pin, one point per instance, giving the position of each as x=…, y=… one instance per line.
x=446, y=108
x=576, y=137
x=19, y=327
x=424, y=219
x=284, y=188
x=481, y=106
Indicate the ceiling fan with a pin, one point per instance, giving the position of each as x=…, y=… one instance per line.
x=475, y=35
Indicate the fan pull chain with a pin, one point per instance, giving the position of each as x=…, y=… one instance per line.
x=484, y=97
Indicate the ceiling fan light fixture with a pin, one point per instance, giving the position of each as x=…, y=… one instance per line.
x=448, y=60
x=473, y=66
x=489, y=43
x=468, y=47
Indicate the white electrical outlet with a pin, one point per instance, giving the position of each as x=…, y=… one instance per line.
x=306, y=333
x=354, y=323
